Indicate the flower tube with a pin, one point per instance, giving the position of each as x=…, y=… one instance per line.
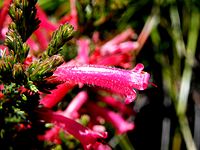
x=71, y=18
x=56, y=95
x=83, y=51
x=116, y=104
x=45, y=23
x=115, y=60
x=123, y=36
x=118, y=122
x=123, y=47
x=51, y=135
x=110, y=46
x=74, y=19
x=86, y=136
x=3, y=14
x=72, y=109
x=118, y=80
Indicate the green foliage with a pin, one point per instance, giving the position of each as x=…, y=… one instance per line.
x=23, y=13
x=39, y=70
x=14, y=42
x=6, y=65
x=21, y=83
x=59, y=38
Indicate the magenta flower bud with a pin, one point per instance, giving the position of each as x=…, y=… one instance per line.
x=86, y=136
x=118, y=80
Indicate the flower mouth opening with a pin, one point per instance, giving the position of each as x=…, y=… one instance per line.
x=146, y=77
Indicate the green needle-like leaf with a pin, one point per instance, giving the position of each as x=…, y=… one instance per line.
x=59, y=38
x=40, y=70
x=23, y=13
x=15, y=43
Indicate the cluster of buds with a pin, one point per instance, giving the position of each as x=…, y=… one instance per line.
x=32, y=71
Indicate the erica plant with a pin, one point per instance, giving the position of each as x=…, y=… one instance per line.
x=36, y=74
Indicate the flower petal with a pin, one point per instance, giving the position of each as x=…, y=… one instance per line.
x=118, y=80
x=85, y=135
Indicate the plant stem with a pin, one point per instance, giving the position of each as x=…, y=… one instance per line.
x=186, y=79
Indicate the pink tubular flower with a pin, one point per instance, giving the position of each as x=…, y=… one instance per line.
x=126, y=34
x=33, y=45
x=123, y=47
x=51, y=135
x=127, y=46
x=72, y=109
x=28, y=61
x=3, y=14
x=83, y=51
x=3, y=50
x=117, y=105
x=87, y=137
x=115, y=119
x=74, y=20
x=71, y=18
x=112, y=45
x=45, y=23
x=95, y=37
x=56, y=95
x=42, y=39
x=118, y=80
x=115, y=60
